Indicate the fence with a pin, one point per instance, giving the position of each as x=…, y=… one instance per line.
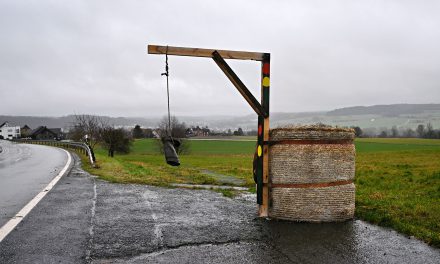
x=78, y=146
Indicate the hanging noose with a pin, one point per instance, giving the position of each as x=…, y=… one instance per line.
x=167, y=74
x=169, y=144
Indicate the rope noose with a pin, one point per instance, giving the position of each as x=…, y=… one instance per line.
x=166, y=73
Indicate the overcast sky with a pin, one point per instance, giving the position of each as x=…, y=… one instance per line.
x=64, y=57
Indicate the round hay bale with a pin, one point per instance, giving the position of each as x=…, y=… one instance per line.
x=311, y=170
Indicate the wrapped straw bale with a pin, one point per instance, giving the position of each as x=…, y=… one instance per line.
x=311, y=169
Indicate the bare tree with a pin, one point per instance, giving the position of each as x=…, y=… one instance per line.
x=409, y=133
x=178, y=129
x=421, y=130
x=137, y=132
x=87, y=126
x=115, y=140
x=430, y=133
x=394, y=132
x=177, y=132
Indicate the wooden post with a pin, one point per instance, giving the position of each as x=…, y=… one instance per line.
x=263, y=139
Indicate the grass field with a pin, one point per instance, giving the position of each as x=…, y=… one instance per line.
x=397, y=180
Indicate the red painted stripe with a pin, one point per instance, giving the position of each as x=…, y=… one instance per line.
x=266, y=68
x=310, y=141
x=310, y=185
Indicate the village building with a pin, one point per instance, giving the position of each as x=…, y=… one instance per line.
x=43, y=133
x=198, y=132
x=25, y=131
x=58, y=132
x=8, y=131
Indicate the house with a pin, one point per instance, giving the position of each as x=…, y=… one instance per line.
x=25, y=131
x=43, y=133
x=58, y=132
x=7, y=131
x=198, y=131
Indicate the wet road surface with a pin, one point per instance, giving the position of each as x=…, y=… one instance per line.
x=85, y=220
x=24, y=171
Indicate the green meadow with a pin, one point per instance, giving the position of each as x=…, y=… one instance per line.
x=397, y=180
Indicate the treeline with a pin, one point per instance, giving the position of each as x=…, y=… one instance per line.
x=95, y=130
x=422, y=131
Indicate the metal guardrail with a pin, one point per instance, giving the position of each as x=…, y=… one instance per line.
x=78, y=146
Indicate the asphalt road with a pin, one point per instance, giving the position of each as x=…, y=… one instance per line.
x=86, y=220
x=24, y=171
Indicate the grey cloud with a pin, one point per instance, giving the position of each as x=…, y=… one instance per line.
x=60, y=57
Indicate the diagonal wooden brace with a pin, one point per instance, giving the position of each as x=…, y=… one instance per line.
x=244, y=91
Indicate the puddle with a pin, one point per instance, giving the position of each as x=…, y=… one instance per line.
x=222, y=178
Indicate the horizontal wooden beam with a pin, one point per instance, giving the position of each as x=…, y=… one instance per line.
x=195, y=52
x=238, y=84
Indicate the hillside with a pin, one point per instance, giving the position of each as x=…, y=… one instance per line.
x=373, y=117
x=386, y=110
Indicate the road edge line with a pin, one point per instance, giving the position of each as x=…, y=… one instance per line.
x=12, y=223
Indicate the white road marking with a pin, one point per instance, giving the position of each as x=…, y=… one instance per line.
x=92, y=222
x=158, y=235
x=11, y=224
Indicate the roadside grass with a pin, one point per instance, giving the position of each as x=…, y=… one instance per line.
x=395, y=144
x=227, y=193
x=397, y=180
x=400, y=190
x=144, y=166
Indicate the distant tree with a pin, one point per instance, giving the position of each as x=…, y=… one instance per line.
x=137, y=132
x=430, y=133
x=421, y=131
x=89, y=126
x=409, y=133
x=357, y=131
x=394, y=132
x=239, y=132
x=178, y=128
x=177, y=131
x=383, y=134
x=229, y=132
x=115, y=140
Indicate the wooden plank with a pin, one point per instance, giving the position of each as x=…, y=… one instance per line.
x=207, y=53
x=244, y=91
x=263, y=209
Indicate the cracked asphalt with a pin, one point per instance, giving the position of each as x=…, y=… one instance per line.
x=86, y=220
